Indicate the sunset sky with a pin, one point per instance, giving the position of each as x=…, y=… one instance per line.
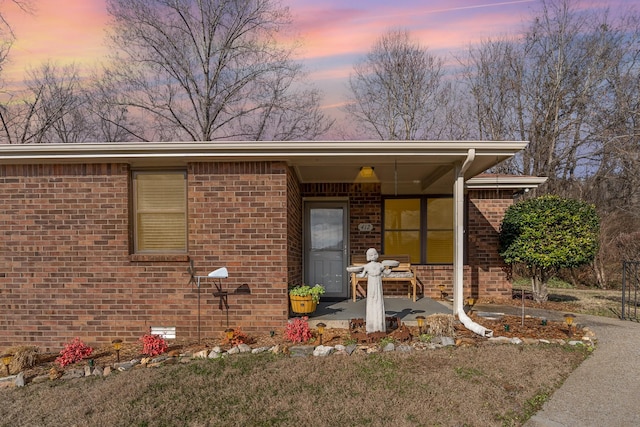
x=333, y=35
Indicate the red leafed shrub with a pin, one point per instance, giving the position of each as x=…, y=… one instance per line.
x=153, y=345
x=239, y=337
x=72, y=352
x=298, y=330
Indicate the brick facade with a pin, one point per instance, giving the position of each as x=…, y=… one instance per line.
x=486, y=274
x=66, y=267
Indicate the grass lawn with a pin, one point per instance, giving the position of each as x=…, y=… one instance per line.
x=483, y=385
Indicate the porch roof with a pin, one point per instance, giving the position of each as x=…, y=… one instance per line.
x=402, y=167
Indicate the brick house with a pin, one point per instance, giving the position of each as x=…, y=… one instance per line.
x=96, y=239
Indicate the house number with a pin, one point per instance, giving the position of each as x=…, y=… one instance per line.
x=365, y=227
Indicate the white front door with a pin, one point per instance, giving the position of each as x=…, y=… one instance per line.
x=326, y=237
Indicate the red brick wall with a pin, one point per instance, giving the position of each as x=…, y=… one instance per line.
x=66, y=269
x=487, y=271
x=238, y=219
x=294, y=230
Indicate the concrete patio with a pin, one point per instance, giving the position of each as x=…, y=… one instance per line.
x=336, y=314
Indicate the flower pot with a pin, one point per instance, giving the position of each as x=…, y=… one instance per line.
x=302, y=305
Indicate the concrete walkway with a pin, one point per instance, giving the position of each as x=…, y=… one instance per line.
x=605, y=389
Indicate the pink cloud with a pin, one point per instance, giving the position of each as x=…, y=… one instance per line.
x=63, y=34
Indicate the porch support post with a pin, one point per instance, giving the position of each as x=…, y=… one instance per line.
x=458, y=251
x=458, y=230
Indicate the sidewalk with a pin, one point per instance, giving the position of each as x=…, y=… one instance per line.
x=605, y=389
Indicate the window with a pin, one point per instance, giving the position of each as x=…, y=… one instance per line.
x=160, y=212
x=421, y=227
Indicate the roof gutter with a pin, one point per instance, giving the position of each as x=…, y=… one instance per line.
x=458, y=263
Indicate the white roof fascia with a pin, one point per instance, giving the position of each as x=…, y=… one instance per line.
x=186, y=151
x=504, y=182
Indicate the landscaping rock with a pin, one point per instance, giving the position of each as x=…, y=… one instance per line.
x=259, y=350
x=159, y=359
x=530, y=341
x=350, y=349
x=72, y=373
x=54, y=374
x=244, y=348
x=13, y=381
x=447, y=341
x=389, y=347
x=126, y=365
x=215, y=353
x=301, y=350
x=107, y=371
x=322, y=351
x=202, y=354
x=404, y=348
x=234, y=350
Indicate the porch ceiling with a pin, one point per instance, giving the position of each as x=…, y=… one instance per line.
x=402, y=167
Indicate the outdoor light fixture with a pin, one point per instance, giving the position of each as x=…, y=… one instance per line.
x=229, y=334
x=568, y=319
x=442, y=293
x=117, y=346
x=366, y=172
x=420, y=320
x=321, y=327
x=6, y=361
x=470, y=302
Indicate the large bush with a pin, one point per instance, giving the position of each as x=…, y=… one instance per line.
x=548, y=233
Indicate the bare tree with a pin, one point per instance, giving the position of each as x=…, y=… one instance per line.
x=108, y=113
x=42, y=112
x=209, y=70
x=7, y=37
x=397, y=92
x=571, y=86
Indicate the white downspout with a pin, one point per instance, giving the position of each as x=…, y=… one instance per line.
x=458, y=260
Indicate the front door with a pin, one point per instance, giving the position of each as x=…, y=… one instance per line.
x=326, y=237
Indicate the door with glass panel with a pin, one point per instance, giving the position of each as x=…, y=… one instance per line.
x=326, y=237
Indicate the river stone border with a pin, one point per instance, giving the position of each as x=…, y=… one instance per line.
x=587, y=339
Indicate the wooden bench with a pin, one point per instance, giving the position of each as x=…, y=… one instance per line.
x=402, y=273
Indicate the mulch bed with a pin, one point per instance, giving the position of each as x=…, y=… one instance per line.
x=505, y=326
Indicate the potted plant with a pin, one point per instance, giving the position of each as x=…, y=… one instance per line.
x=304, y=298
